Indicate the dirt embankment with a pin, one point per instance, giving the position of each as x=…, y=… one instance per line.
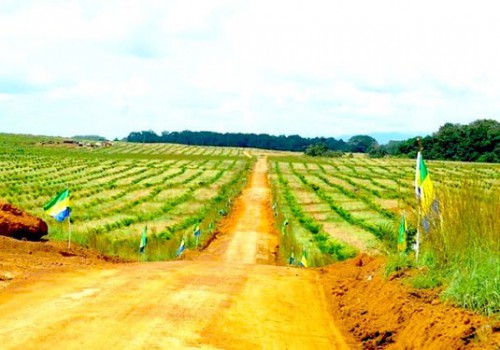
x=21, y=225
x=26, y=261
x=385, y=314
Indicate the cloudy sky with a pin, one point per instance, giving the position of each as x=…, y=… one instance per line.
x=314, y=68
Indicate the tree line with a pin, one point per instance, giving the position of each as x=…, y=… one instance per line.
x=296, y=143
x=478, y=141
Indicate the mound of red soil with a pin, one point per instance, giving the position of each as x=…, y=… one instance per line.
x=20, y=225
x=386, y=314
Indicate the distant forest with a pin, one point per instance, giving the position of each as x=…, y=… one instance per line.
x=360, y=143
x=478, y=141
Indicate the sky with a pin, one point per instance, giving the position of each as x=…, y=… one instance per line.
x=313, y=68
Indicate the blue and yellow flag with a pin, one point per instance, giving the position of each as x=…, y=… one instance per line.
x=59, y=206
x=403, y=227
x=181, y=248
x=144, y=240
x=197, y=230
x=303, y=261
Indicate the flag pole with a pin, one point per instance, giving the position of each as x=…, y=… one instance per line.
x=69, y=230
x=419, y=202
x=417, y=243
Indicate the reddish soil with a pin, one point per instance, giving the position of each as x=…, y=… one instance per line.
x=383, y=313
x=21, y=225
x=28, y=261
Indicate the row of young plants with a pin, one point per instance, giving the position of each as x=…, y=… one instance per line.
x=163, y=245
x=155, y=149
x=35, y=193
x=138, y=184
x=135, y=217
x=324, y=248
x=382, y=232
x=94, y=182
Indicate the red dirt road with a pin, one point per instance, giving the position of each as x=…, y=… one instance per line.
x=230, y=297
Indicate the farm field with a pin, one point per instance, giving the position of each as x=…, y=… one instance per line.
x=340, y=206
x=117, y=191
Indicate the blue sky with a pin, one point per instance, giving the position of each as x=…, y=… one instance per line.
x=314, y=68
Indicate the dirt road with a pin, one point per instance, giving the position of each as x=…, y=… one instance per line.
x=232, y=297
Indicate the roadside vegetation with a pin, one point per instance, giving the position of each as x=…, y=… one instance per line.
x=335, y=207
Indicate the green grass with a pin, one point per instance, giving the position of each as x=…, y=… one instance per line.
x=465, y=247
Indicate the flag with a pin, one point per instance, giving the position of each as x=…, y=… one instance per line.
x=303, y=261
x=144, y=240
x=403, y=227
x=197, y=231
x=424, y=188
x=291, y=259
x=211, y=227
x=59, y=206
x=284, y=226
x=181, y=248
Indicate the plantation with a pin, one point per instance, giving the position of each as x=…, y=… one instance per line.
x=334, y=208
x=117, y=191
x=326, y=209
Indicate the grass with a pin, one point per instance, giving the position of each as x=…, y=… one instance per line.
x=463, y=250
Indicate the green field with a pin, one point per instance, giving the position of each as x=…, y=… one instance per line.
x=117, y=191
x=357, y=202
x=335, y=208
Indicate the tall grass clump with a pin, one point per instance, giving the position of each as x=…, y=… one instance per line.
x=464, y=246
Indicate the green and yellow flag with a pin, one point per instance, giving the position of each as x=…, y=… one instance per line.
x=144, y=240
x=403, y=227
x=303, y=261
x=424, y=188
x=59, y=206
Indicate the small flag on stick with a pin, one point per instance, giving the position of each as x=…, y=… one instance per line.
x=197, y=231
x=424, y=188
x=181, y=247
x=291, y=260
x=303, y=261
x=144, y=240
x=403, y=227
x=197, y=234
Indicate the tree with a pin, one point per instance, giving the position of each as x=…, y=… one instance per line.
x=361, y=143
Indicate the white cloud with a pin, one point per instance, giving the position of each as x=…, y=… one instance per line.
x=311, y=68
